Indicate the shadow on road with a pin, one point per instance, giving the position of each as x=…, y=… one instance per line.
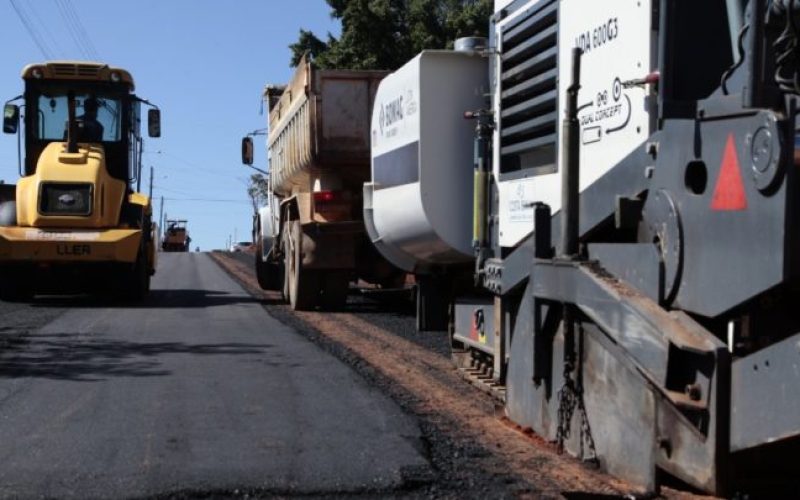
x=65, y=356
x=156, y=299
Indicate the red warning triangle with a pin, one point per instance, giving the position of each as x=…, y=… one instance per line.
x=729, y=193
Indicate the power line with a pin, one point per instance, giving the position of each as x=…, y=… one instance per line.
x=34, y=34
x=51, y=40
x=182, y=170
x=71, y=29
x=84, y=34
x=209, y=200
x=76, y=30
x=170, y=190
x=74, y=22
x=193, y=166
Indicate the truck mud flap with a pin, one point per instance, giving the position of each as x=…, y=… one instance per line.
x=330, y=246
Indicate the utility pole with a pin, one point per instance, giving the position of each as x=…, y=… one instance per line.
x=151, y=182
x=161, y=214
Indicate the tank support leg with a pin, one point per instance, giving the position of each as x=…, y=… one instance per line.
x=433, y=300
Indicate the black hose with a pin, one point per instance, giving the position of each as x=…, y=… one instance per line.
x=729, y=72
x=787, y=56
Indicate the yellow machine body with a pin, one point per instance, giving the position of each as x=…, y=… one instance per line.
x=68, y=245
x=176, y=237
x=87, y=166
x=76, y=210
x=98, y=236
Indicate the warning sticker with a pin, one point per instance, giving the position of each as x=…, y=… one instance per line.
x=729, y=192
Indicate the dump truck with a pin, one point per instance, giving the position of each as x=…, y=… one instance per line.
x=310, y=236
x=628, y=220
x=176, y=236
x=74, y=222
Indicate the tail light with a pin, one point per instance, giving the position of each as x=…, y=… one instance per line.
x=326, y=196
x=332, y=206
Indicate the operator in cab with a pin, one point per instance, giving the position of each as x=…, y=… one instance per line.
x=89, y=128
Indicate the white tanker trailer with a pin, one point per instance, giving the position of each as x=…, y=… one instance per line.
x=418, y=208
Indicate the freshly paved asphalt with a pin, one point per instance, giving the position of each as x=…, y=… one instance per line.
x=197, y=390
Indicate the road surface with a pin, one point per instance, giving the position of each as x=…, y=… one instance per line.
x=197, y=391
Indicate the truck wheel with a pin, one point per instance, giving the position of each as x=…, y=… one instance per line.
x=269, y=274
x=335, y=285
x=285, y=247
x=303, y=283
x=261, y=270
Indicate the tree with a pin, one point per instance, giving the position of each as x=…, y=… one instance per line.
x=257, y=190
x=384, y=34
x=307, y=43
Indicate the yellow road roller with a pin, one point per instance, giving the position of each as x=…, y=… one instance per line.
x=75, y=221
x=176, y=237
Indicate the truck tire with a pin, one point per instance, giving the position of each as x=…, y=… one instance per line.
x=262, y=273
x=268, y=274
x=303, y=283
x=335, y=285
x=286, y=250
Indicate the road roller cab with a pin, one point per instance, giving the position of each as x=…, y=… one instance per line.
x=74, y=220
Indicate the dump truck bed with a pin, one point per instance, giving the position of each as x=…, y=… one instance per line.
x=321, y=122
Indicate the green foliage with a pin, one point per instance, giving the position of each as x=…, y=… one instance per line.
x=385, y=34
x=257, y=190
x=307, y=43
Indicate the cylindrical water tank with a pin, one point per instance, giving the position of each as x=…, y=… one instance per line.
x=418, y=207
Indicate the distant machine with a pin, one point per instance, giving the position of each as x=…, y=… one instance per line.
x=176, y=236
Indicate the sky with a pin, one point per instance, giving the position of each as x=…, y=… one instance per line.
x=203, y=62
